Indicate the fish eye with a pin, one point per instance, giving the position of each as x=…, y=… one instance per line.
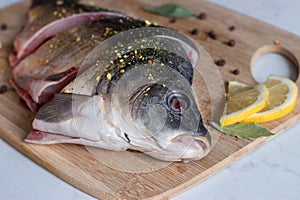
x=177, y=102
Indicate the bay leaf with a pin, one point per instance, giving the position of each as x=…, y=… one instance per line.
x=171, y=9
x=244, y=130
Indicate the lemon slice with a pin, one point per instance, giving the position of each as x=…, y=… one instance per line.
x=243, y=101
x=282, y=100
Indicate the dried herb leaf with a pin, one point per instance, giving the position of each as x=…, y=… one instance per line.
x=244, y=130
x=171, y=9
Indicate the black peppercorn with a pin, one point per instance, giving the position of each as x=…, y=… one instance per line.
x=221, y=62
x=231, y=28
x=3, y=26
x=173, y=20
x=212, y=35
x=202, y=16
x=236, y=72
x=3, y=89
x=194, y=31
x=231, y=43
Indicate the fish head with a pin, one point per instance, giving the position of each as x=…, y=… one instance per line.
x=170, y=120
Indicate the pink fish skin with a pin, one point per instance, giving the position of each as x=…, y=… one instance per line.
x=47, y=19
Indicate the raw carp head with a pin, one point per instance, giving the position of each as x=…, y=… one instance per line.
x=171, y=118
x=152, y=98
x=155, y=107
x=133, y=91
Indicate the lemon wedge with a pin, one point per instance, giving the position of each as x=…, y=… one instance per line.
x=282, y=100
x=242, y=101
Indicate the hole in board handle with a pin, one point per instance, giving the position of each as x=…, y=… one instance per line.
x=275, y=60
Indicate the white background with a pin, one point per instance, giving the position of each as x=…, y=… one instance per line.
x=271, y=172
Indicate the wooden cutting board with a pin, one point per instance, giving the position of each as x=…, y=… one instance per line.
x=75, y=165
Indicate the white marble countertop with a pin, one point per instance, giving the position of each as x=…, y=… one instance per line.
x=270, y=172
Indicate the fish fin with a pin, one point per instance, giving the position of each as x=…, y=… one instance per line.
x=25, y=96
x=42, y=137
x=13, y=60
x=45, y=138
x=61, y=79
x=62, y=75
x=60, y=108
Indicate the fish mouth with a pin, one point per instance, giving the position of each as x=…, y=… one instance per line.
x=203, y=143
x=195, y=147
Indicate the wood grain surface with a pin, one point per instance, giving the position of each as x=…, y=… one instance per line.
x=77, y=166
